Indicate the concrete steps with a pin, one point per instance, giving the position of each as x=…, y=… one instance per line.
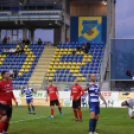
x=41, y=68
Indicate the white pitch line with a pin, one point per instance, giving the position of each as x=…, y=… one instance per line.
x=29, y=119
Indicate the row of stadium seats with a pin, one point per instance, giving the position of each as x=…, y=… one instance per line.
x=75, y=46
x=39, y=13
x=80, y=43
x=3, y=14
x=66, y=66
x=43, y=4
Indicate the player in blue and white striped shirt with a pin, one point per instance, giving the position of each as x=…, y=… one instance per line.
x=29, y=97
x=94, y=94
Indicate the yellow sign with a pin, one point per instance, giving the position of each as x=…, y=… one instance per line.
x=90, y=28
x=126, y=95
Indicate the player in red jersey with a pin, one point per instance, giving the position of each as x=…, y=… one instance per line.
x=6, y=96
x=52, y=92
x=76, y=93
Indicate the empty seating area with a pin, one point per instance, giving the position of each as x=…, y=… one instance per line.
x=66, y=66
x=24, y=63
x=41, y=13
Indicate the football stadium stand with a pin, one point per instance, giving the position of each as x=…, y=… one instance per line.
x=24, y=63
x=66, y=66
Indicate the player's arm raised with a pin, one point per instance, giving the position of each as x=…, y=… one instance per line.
x=87, y=87
x=103, y=99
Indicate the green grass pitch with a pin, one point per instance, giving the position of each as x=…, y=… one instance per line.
x=112, y=121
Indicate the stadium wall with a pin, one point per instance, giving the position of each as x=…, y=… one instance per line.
x=101, y=28
x=113, y=99
x=80, y=8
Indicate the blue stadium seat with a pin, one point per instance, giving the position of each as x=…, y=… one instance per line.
x=73, y=78
x=59, y=46
x=97, y=60
x=2, y=66
x=54, y=78
x=67, y=71
x=85, y=71
x=28, y=74
x=62, y=71
x=70, y=75
x=72, y=46
x=84, y=75
x=59, y=78
x=88, y=63
x=96, y=67
x=66, y=60
x=81, y=71
x=24, y=74
x=60, y=75
x=25, y=82
x=20, y=82
x=65, y=75
x=57, y=71
x=90, y=71
x=82, y=67
x=95, y=71
x=17, y=78
x=4, y=63
x=70, y=60
x=69, y=78
x=91, y=53
x=75, y=60
x=33, y=66
x=27, y=78
x=15, y=82
x=91, y=50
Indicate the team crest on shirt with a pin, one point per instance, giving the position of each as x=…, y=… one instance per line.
x=8, y=85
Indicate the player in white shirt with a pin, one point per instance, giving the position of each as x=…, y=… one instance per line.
x=130, y=104
x=29, y=97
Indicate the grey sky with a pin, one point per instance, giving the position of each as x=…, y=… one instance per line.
x=124, y=20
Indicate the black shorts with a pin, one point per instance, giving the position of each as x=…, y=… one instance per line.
x=54, y=102
x=6, y=110
x=76, y=104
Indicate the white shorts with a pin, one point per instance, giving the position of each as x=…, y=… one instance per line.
x=130, y=103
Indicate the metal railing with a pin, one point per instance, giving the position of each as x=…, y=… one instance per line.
x=105, y=59
x=31, y=40
x=15, y=9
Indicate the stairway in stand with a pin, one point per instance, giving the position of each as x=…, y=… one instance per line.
x=41, y=68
